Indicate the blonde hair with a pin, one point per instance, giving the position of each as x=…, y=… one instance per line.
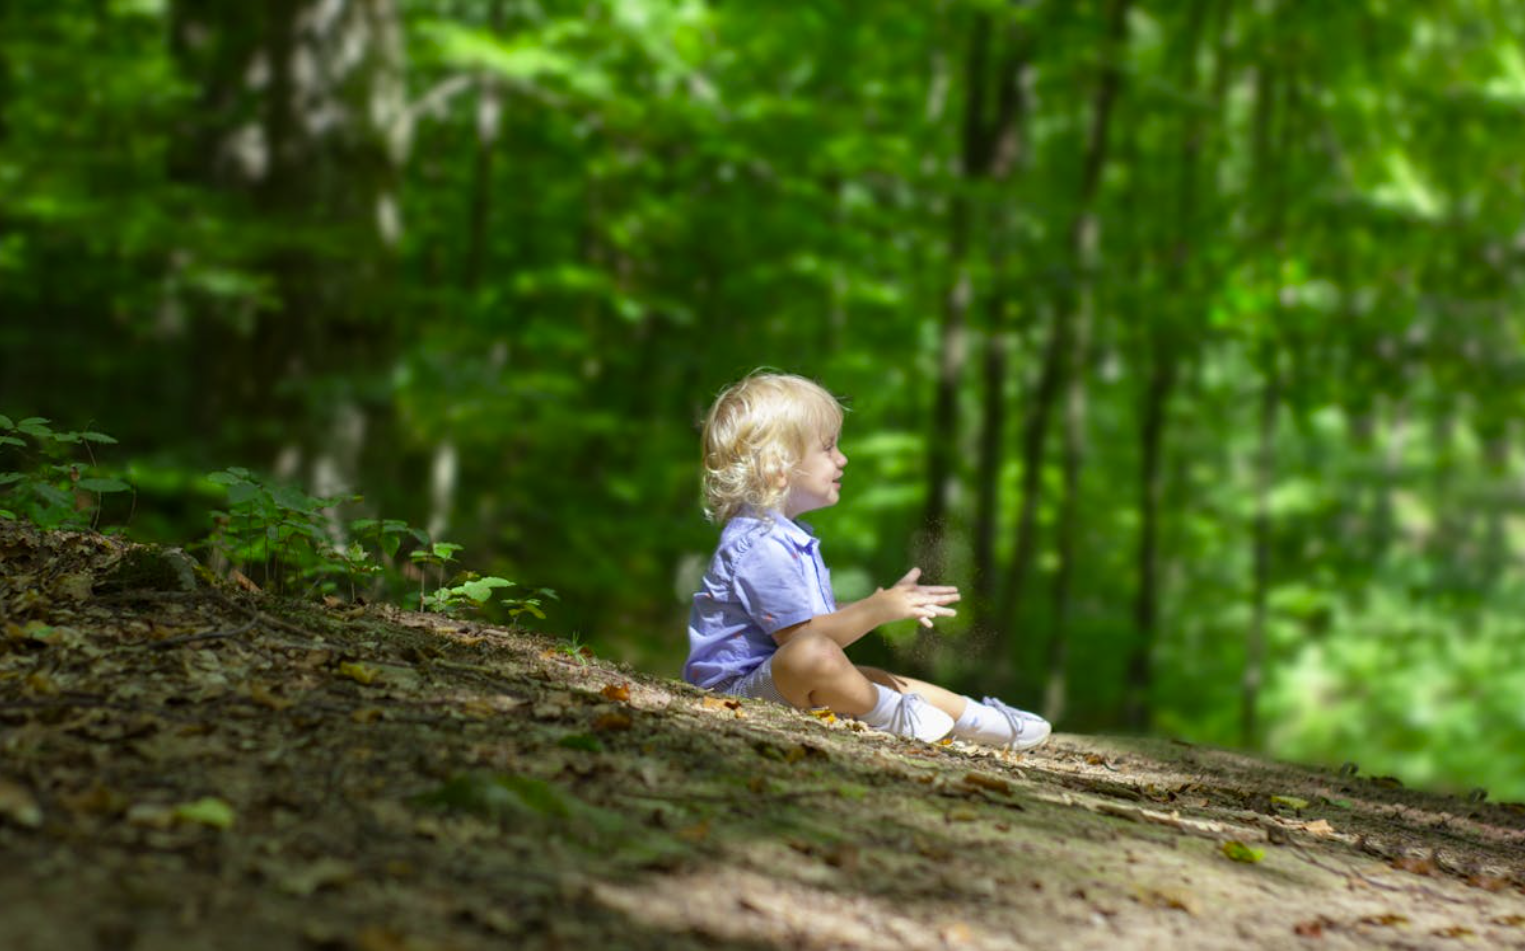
x=758, y=430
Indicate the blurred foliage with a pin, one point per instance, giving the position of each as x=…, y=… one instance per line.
x=487, y=262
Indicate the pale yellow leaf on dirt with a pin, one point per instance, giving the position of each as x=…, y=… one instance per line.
x=208, y=811
x=262, y=695
x=1319, y=827
x=359, y=673
x=620, y=693
x=18, y=805
x=151, y=815
x=75, y=586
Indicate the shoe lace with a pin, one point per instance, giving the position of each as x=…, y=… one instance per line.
x=911, y=717
x=1019, y=719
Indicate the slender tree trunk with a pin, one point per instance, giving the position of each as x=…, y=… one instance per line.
x=1270, y=171
x=1076, y=316
x=992, y=438
x=1009, y=153
x=1265, y=478
x=942, y=440
x=1138, y=687
x=992, y=114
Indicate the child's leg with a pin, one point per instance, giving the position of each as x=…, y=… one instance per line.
x=945, y=700
x=812, y=670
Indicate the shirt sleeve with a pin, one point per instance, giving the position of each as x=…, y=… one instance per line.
x=771, y=585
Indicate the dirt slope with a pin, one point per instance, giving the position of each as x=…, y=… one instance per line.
x=199, y=769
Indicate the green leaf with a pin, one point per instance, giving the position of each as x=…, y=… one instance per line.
x=581, y=741
x=293, y=499
x=6, y=478
x=104, y=485
x=208, y=811
x=11, y=441
x=98, y=437
x=5, y=423
x=362, y=525
x=36, y=426
x=241, y=492
x=445, y=550
x=1240, y=852
x=223, y=478
x=1291, y=802
x=481, y=589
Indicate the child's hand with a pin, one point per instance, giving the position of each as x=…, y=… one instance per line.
x=907, y=599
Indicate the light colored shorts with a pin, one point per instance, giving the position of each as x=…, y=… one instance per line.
x=757, y=684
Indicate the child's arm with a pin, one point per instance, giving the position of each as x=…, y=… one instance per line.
x=905, y=599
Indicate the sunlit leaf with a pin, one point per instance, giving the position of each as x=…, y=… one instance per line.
x=208, y=811
x=1240, y=852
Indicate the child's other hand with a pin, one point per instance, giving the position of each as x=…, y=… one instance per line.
x=907, y=599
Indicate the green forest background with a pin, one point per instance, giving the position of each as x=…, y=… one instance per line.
x=1184, y=336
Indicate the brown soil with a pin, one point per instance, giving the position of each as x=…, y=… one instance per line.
x=203, y=769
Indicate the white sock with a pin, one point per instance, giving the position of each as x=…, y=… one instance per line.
x=883, y=713
x=981, y=724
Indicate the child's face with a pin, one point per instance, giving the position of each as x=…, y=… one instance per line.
x=817, y=481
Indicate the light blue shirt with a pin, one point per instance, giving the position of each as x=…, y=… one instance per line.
x=766, y=575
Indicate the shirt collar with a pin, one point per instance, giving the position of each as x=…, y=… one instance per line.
x=800, y=533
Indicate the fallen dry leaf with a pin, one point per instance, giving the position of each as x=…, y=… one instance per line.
x=1165, y=897
x=620, y=693
x=1319, y=827
x=612, y=722
x=19, y=805
x=1418, y=865
x=991, y=783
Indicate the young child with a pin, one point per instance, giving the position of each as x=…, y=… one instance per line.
x=764, y=622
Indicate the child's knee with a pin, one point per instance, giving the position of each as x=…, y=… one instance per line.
x=813, y=656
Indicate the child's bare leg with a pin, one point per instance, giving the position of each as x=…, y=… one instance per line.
x=945, y=700
x=813, y=671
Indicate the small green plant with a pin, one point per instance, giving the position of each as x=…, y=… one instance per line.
x=290, y=537
x=576, y=649
x=286, y=532
x=48, y=484
x=474, y=591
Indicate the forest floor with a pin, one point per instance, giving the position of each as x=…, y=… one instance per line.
x=202, y=768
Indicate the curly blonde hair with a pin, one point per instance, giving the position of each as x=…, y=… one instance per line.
x=757, y=431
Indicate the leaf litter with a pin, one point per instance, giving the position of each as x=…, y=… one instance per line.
x=187, y=768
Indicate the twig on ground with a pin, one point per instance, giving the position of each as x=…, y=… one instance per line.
x=204, y=636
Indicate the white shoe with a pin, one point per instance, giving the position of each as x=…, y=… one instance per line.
x=1028, y=730
x=918, y=719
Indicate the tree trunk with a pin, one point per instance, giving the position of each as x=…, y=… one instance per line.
x=1075, y=314
x=1265, y=477
x=990, y=143
x=1269, y=164
x=1008, y=153
x=1139, y=682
